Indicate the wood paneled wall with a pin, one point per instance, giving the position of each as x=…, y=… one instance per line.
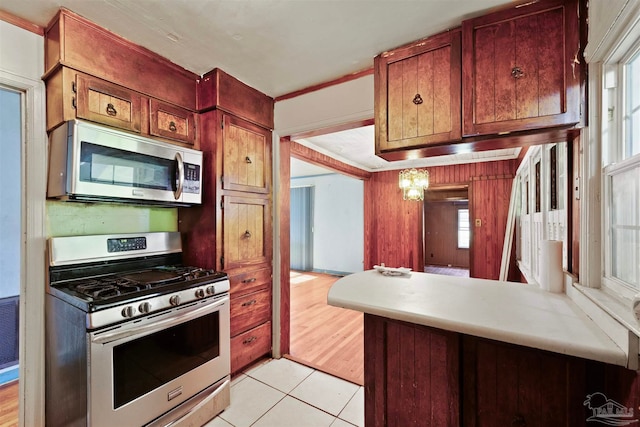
x=393, y=227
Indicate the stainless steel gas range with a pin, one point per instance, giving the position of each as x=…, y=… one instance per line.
x=133, y=337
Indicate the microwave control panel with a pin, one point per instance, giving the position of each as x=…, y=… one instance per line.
x=191, y=178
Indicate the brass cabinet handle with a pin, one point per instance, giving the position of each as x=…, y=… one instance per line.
x=253, y=279
x=417, y=99
x=247, y=234
x=517, y=72
x=111, y=110
x=248, y=303
x=248, y=159
x=250, y=340
x=172, y=126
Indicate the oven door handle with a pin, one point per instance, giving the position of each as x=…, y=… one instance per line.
x=111, y=336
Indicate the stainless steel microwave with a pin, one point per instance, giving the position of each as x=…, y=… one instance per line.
x=89, y=162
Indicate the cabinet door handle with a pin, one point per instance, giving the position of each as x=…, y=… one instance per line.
x=250, y=340
x=417, y=99
x=248, y=159
x=172, y=126
x=111, y=110
x=517, y=72
x=247, y=234
x=253, y=279
x=248, y=303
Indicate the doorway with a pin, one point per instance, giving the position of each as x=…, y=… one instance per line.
x=326, y=243
x=11, y=125
x=447, y=231
x=302, y=228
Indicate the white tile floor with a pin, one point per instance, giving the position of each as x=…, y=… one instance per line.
x=282, y=393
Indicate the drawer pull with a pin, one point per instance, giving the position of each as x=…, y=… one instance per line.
x=248, y=159
x=173, y=127
x=253, y=279
x=248, y=303
x=247, y=234
x=111, y=110
x=417, y=99
x=250, y=340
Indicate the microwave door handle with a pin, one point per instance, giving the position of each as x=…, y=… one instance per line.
x=180, y=180
x=156, y=326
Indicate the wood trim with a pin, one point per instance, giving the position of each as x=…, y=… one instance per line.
x=21, y=23
x=284, y=207
x=301, y=152
x=332, y=129
x=339, y=80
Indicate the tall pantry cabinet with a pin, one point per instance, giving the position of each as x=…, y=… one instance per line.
x=231, y=231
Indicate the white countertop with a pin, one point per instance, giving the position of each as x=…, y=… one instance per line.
x=504, y=311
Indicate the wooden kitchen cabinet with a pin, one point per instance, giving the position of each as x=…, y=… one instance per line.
x=521, y=68
x=418, y=94
x=232, y=230
x=171, y=122
x=246, y=156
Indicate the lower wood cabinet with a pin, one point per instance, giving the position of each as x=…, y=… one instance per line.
x=250, y=346
x=421, y=376
x=250, y=316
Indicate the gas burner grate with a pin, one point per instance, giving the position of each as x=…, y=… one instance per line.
x=108, y=287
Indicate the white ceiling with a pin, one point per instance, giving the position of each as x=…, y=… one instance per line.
x=275, y=46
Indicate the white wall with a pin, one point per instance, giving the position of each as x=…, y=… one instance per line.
x=338, y=221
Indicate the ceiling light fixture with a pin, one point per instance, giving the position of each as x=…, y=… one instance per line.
x=413, y=182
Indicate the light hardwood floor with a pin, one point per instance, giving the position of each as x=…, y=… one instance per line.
x=326, y=338
x=9, y=405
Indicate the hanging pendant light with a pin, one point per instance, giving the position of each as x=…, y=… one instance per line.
x=413, y=182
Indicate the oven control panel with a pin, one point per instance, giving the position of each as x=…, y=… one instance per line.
x=125, y=244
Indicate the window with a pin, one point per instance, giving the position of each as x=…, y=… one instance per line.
x=621, y=172
x=464, y=233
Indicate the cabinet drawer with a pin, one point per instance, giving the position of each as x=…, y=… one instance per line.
x=168, y=121
x=109, y=104
x=244, y=283
x=249, y=346
x=249, y=311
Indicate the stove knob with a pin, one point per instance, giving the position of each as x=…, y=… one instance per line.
x=128, y=311
x=174, y=300
x=211, y=290
x=145, y=307
x=199, y=293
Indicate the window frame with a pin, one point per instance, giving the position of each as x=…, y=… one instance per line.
x=458, y=229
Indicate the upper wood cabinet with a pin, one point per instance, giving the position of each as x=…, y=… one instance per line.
x=169, y=121
x=103, y=102
x=417, y=90
x=246, y=156
x=521, y=68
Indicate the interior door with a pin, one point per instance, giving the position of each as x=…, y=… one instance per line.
x=302, y=228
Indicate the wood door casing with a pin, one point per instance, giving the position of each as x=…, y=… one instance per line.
x=246, y=156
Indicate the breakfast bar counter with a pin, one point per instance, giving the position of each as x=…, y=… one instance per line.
x=452, y=351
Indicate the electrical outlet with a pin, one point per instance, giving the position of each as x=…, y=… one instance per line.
x=478, y=222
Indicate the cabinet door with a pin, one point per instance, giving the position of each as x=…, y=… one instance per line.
x=509, y=385
x=109, y=104
x=172, y=122
x=246, y=156
x=520, y=69
x=418, y=94
x=246, y=232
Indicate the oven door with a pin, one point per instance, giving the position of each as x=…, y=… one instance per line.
x=139, y=370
